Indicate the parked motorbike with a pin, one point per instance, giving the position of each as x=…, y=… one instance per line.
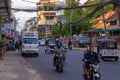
x=10, y=47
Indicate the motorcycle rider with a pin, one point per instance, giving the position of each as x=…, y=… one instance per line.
x=46, y=45
x=60, y=51
x=90, y=57
x=70, y=44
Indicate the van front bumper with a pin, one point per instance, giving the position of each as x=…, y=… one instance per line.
x=30, y=51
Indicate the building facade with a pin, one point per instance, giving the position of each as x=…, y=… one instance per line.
x=46, y=15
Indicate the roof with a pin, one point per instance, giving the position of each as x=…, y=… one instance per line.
x=107, y=15
x=5, y=8
x=110, y=16
x=113, y=17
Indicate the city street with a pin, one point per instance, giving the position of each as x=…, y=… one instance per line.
x=72, y=68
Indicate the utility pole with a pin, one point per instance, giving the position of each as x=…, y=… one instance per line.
x=71, y=11
x=104, y=22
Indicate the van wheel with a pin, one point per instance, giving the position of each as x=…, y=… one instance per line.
x=36, y=54
x=116, y=59
x=22, y=54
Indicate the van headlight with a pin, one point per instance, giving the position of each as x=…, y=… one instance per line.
x=37, y=46
x=22, y=46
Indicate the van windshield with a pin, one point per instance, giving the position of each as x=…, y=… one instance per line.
x=52, y=41
x=109, y=46
x=30, y=40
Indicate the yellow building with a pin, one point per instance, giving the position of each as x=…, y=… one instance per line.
x=46, y=15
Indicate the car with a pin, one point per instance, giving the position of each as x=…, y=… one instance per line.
x=42, y=42
x=82, y=41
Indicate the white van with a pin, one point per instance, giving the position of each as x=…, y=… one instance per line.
x=30, y=43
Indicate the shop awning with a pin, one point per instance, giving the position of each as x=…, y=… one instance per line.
x=114, y=29
x=108, y=30
x=96, y=30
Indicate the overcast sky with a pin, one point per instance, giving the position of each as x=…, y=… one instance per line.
x=23, y=16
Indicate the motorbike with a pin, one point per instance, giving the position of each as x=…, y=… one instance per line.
x=95, y=74
x=58, y=63
x=10, y=47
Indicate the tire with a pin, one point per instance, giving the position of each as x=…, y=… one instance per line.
x=61, y=69
x=23, y=54
x=57, y=68
x=116, y=59
x=96, y=78
x=36, y=54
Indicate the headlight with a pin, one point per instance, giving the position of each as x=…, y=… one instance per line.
x=22, y=46
x=37, y=46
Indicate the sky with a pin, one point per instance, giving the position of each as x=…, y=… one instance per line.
x=24, y=16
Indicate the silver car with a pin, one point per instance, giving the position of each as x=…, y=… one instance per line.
x=82, y=40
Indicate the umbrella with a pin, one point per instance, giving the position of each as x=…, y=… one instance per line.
x=9, y=35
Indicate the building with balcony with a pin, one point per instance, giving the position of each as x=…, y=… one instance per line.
x=46, y=15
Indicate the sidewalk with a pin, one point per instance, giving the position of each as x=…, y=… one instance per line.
x=14, y=67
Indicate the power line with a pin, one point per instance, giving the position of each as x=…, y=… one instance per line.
x=29, y=1
x=98, y=6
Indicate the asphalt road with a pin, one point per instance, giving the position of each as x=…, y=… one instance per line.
x=72, y=68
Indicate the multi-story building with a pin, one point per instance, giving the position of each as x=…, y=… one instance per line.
x=46, y=15
x=31, y=24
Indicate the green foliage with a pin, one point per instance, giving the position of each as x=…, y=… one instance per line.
x=55, y=31
x=77, y=14
x=39, y=34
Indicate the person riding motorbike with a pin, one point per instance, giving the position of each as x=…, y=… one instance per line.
x=70, y=44
x=46, y=45
x=90, y=57
x=60, y=51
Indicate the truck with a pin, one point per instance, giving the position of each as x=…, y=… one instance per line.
x=30, y=43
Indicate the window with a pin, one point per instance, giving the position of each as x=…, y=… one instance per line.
x=49, y=17
x=113, y=23
x=30, y=40
x=111, y=46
